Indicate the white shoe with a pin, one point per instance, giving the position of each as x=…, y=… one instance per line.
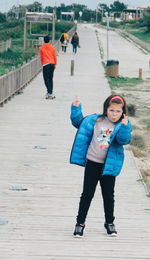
x=50, y=96
x=46, y=95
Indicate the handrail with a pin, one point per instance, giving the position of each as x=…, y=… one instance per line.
x=12, y=82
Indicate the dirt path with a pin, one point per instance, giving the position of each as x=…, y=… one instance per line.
x=139, y=95
x=131, y=58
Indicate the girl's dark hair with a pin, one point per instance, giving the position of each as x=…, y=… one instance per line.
x=116, y=100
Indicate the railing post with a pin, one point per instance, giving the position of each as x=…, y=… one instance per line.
x=72, y=68
x=140, y=73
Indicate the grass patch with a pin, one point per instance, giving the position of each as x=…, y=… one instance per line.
x=135, y=127
x=138, y=141
x=145, y=172
x=140, y=180
x=123, y=81
x=144, y=36
x=146, y=122
x=143, y=111
x=137, y=152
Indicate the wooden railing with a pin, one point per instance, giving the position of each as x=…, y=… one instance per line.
x=12, y=82
x=17, y=79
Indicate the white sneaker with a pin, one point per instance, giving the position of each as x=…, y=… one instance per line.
x=50, y=96
x=46, y=96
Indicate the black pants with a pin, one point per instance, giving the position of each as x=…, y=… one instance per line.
x=93, y=174
x=48, y=72
x=74, y=46
x=64, y=48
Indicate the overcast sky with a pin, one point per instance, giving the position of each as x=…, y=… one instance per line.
x=5, y=5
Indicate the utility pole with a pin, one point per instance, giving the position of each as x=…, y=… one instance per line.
x=80, y=14
x=102, y=13
x=53, y=29
x=107, y=35
x=25, y=31
x=96, y=14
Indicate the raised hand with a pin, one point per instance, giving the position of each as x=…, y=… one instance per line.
x=124, y=121
x=76, y=102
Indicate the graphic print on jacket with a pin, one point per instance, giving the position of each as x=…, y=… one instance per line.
x=103, y=137
x=101, y=140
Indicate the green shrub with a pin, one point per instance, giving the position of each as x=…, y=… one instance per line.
x=11, y=24
x=11, y=57
x=16, y=34
x=28, y=54
x=42, y=29
x=2, y=18
x=61, y=27
x=123, y=81
x=130, y=21
x=114, y=24
x=131, y=109
x=147, y=22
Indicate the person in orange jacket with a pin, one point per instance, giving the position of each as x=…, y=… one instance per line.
x=48, y=59
x=64, y=39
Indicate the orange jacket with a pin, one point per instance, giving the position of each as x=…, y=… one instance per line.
x=66, y=36
x=48, y=54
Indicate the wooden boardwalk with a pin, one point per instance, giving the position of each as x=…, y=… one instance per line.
x=35, y=142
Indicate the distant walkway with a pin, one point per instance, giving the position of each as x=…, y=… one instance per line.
x=35, y=142
x=130, y=57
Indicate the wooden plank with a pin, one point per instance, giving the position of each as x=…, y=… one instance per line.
x=41, y=219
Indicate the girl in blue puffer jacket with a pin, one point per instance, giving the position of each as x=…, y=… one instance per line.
x=98, y=146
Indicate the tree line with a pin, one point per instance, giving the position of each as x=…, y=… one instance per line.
x=87, y=14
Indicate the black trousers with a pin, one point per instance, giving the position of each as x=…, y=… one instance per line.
x=48, y=72
x=74, y=46
x=64, y=48
x=93, y=174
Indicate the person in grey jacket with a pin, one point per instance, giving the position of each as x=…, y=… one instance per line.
x=98, y=146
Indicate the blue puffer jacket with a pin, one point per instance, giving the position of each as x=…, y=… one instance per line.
x=115, y=154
